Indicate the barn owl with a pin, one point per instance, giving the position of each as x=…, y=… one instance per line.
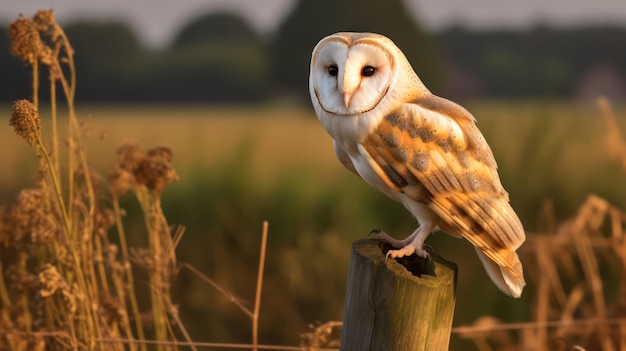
x=417, y=148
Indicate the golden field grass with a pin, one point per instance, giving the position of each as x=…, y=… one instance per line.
x=290, y=136
x=543, y=149
x=203, y=137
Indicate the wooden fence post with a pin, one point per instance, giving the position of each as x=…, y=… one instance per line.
x=389, y=308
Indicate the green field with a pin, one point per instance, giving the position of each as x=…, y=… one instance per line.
x=241, y=165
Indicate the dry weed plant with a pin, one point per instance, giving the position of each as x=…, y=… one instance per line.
x=66, y=282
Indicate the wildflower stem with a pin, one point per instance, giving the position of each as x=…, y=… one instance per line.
x=57, y=187
x=130, y=281
x=36, y=84
x=55, y=133
x=68, y=231
x=259, y=287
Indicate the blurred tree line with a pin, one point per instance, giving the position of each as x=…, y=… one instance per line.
x=220, y=57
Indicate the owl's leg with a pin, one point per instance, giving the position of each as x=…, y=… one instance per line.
x=414, y=244
x=395, y=243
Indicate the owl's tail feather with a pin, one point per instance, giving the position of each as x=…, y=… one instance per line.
x=509, y=279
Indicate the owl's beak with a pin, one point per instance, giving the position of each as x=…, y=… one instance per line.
x=348, y=89
x=349, y=84
x=346, y=99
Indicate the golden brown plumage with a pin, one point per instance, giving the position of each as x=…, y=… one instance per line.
x=418, y=152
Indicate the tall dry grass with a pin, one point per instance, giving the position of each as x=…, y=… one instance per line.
x=66, y=283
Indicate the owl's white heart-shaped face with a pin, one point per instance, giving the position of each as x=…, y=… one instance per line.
x=350, y=77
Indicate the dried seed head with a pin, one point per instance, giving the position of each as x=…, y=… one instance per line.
x=129, y=156
x=162, y=152
x=44, y=20
x=152, y=169
x=47, y=26
x=25, y=121
x=120, y=180
x=26, y=43
x=155, y=171
x=29, y=219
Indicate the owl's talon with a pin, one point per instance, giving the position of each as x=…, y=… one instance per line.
x=408, y=251
x=396, y=244
x=374, y=232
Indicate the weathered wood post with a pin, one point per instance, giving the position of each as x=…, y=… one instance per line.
x=389, y=307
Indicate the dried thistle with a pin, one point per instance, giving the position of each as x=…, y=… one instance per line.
x=29, y=219
x=155, y=171
x=152, y=168
x=26, y=36
x=162, y=152
x=26, y=44
x=26, y=121
x=129, y=156
x=45, y=23
x=120, y=180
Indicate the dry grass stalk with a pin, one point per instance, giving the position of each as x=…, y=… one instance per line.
x=253, y=314
x=64, y=284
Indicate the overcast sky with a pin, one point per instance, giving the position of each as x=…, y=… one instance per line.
x=157, y=21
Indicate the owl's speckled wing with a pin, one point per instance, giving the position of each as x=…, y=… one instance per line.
x=431, y=150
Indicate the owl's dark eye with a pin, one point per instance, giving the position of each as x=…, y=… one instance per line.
x=333, y=70
x=368, y=71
